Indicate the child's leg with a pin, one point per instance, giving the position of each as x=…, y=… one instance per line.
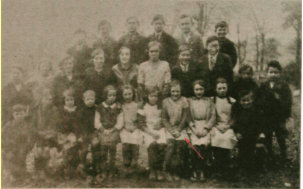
x=126, y=152
x=170, y=148
x=181, y=152
x=281, y=134
x=160, y=155
x=152, y=153
x=112, y=156
x=96, y=151
x=135, y=154
x=268, y=141
x=104, y=154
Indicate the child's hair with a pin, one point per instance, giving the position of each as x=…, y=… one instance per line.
x=274, y=64
x=124, y=47
x=68, y=93
x=154, y=43
x=68, y=58
x=158, y=17
x=221, y=24
x=184, y=47
x=107, y=89
x=243, y=93
x=200, y=82
x=97, y=51
x=222, y=80
x=244, y=67
x=126, y=87
x=186, y=16
x=211, y=39
x=104, y=23
x=89, y=93
x=174, y=83
x=151, y=91
x=132, y=18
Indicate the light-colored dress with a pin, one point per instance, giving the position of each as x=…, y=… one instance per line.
x=202, y=114
x=127, y=119
x=227, y=139
x=174, y=111
x=154, y=74
x=153, y=121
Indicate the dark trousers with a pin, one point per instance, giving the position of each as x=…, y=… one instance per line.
x=108, y=151
x=197, y=164
x=246, y=152
x=130, y=154
x=222, y=160
x=176, y=158
x=156, y=155
x=96, y=152
x=281, y=134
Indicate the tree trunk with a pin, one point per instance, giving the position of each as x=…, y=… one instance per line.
x=262, y=51
x=298, y=47
x=239, y=44
x=257, y=53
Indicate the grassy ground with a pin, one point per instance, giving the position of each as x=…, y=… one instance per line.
x=281, y=177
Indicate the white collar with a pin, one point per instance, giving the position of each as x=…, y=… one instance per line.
x=70, y=109
x=111, y=106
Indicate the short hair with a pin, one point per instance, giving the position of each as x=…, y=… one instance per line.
x=107, y=89
x=124, y=47
x=127, y=87
x=186, y=16
x=184, y=47
x=243, y=93
x=200, y=82
x=152, y=90
x=221, y=24
x=97, y=51
x=221, y=80
x=245, y=67
x=158, y=17
x=154, y=43
x=211, y=39
x=103, y=23
x=274, y=64
x=89, y=93
x=175, y=83
x=132, y=18
x=68, y=93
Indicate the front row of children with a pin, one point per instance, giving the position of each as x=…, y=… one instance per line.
x=84, y=141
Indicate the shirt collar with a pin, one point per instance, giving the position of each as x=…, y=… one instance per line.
x=109, y=106
x=127, y=69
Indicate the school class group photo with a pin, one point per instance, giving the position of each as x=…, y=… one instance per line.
x=154, y=91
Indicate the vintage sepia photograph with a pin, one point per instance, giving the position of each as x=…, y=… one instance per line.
x=151, y=93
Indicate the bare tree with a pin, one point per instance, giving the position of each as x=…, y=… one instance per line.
x=293, y=20
x=241, y=47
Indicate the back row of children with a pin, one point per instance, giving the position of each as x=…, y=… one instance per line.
x=82, y=116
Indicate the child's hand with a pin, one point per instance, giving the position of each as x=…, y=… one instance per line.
x=277, y=96
x=239, y=136
x=203, y=133
x=177, y=134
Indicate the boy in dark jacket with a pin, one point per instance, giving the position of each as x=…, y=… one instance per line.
x=275, y=101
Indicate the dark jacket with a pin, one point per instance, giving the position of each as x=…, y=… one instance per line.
x=169, y=50
x=242, y=84
x=187, y=78
x=108, y=45
x=137, y=44
x=228, y=47
x=222, y=68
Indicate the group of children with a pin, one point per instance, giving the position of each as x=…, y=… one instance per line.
x=72, y=126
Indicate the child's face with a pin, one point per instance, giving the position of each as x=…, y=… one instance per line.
x=153, y=98
x=89, y=100
x=221, y=89
x=184, y=57
x=69, y=101
x=16, y=76
x=158, y=25
x=246, y=74
x=132, y=25
x=154, y=53
x=124, y=56
x=221, y=32
x=127, y=95
x=175, y=92
x=199, y=91
x=213, y=47
x=185, y=25
x=47, y=100
x=246, y=101
x=19, y=115
x=111, y=97
x=273, y=73
x=68, y=66
x=99, y=61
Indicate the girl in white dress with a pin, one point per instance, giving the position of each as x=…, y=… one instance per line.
x=130, y=134
x=201, y=120
x=149, y=119
x=223, y=138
